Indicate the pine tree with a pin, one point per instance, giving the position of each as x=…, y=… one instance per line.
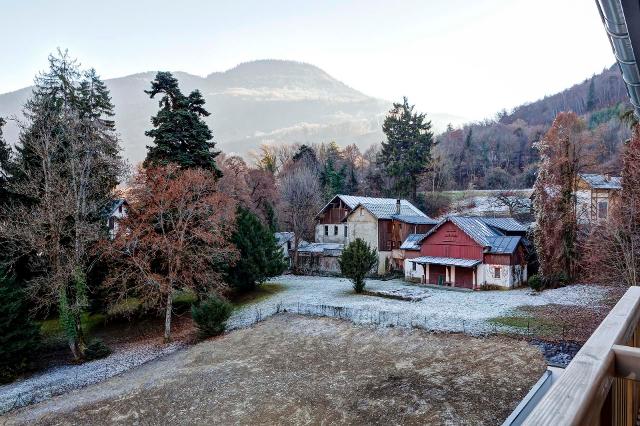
x=407, y=152
x=66, y=166
x=356, y=261
x=180, y=134
x=5, y=158
x=592, y=99
x=260, y=255
x=19, y=336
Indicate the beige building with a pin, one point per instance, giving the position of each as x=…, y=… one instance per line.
x=594, y=196
x=383, y=223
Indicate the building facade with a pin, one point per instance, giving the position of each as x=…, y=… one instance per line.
x=469, y=252
x=383, y=223
x=595, y=195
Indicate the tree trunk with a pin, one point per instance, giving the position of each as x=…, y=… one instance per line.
x=167, y=317
x=296, y=242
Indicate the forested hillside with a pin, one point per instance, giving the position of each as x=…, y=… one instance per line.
x=500, y=153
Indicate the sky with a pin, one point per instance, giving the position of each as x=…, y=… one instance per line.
x=461, y=57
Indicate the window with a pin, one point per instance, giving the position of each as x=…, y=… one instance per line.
x=112, y=222
x=603, y=209
x=335, y=230
x=496, y=272
x=289, y=245
x=413, y=265
x=120, y=209
x=326, y=230
x=345, y=231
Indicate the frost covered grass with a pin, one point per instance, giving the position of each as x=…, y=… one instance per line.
x=472, y=313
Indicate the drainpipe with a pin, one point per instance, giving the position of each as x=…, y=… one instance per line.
x=612, y=13
x=398, y=206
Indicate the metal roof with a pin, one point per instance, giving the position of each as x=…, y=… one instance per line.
x=447, y=261
x=504, y=245
x=414, y=220
x=330, y=249
x=597, y=181
x=506, y=224
x=387, y=210
x=381, y=208
x=412, y=242
x=484, y=231
x=283, y=237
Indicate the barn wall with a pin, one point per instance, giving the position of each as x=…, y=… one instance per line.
x=498, y=259
x=450, y=241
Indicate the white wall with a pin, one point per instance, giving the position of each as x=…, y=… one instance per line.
x=320, y=237
x=410, y=274
x=510, y=276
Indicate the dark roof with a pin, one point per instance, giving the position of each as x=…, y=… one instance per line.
x=506, y=224
x=414, y=220
x=113, y=205
x=504, y=245
x=485, y=232
x=597, y=181
x=412, y=242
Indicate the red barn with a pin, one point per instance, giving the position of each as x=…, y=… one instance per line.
x=470, y=252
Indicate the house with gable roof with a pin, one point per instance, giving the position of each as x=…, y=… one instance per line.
x=384, y=223
x=595, y=193
x=469, y=252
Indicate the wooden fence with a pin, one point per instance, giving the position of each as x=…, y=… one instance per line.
x=601, y=384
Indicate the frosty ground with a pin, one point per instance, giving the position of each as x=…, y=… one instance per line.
x=293, y=369
x=433, y=310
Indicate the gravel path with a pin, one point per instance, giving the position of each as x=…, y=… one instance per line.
x=437, y=310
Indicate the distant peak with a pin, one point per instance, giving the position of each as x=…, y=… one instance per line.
x=272, y=66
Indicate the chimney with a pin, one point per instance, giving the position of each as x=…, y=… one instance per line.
x=607, y=177
x=398, y=206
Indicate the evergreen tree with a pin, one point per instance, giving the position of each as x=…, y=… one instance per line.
x=19, y=336
x=66, y=166
x=5, y=158
x=180, y=134
x=592, y=99
x=260, y=255
x=407, y=152
x=356, y=261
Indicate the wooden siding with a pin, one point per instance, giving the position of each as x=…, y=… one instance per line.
x=464, y=277
x=334, y=213
x=435, y=271
x=498, y=259
x=385, y=235
x=450, y=241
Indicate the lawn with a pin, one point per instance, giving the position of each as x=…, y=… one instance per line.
x=291, y=369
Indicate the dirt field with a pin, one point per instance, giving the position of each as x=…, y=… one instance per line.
x=300, y=370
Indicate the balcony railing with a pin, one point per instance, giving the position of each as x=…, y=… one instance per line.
x=601, y=385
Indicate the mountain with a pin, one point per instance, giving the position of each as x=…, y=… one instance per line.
x=265, y=101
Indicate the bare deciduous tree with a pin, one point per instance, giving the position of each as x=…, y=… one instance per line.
x=301, y=200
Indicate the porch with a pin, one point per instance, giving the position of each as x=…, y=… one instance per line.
x=444, y=271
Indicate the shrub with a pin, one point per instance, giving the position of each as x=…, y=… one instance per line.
x=535, y=282
x=433, y=203
x=96, y=350
x=19, y=336
x=211, y=316
x=356, y=261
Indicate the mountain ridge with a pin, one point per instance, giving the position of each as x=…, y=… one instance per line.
x=255, y=102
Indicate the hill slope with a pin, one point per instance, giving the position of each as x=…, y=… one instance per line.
x=500, y=153
x=266, y=101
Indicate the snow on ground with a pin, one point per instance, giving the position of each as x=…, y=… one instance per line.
x=59, y=380
x=437, y=310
